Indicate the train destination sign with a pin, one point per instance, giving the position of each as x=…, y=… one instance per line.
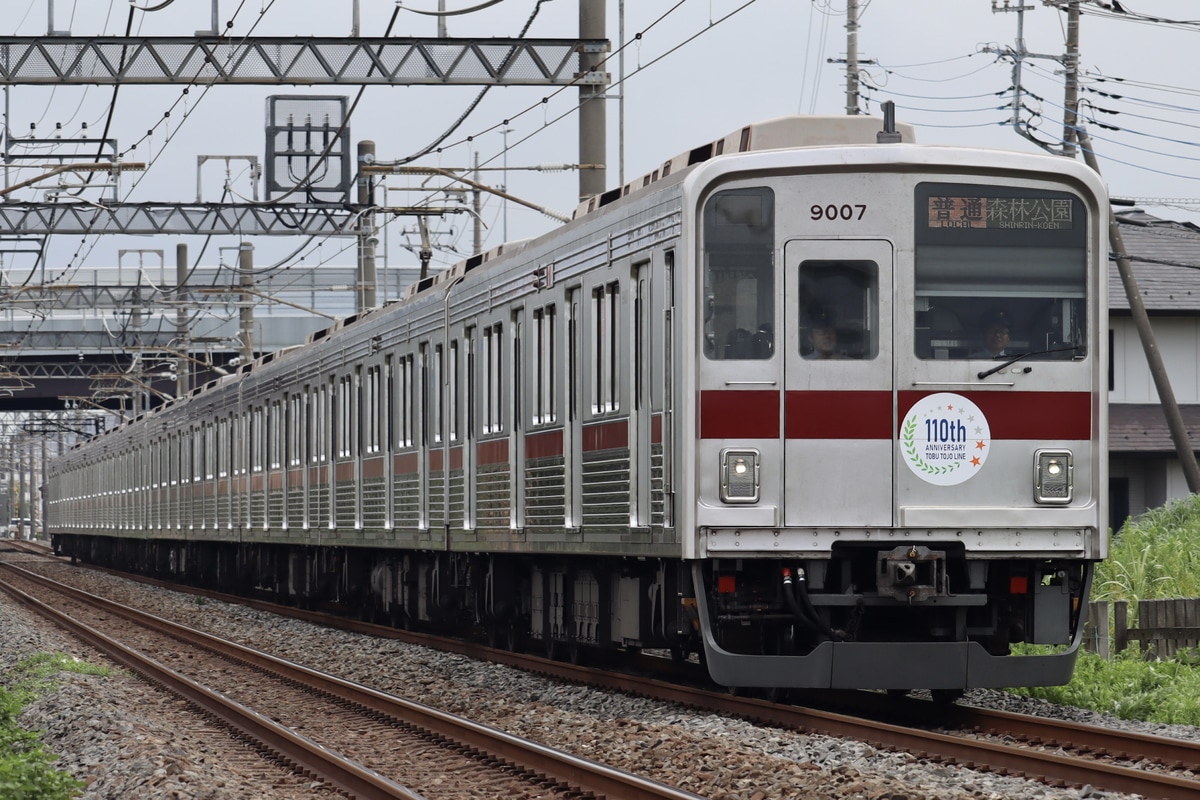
x=1030, y=213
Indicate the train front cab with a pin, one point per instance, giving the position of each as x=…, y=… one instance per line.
x=898, y=509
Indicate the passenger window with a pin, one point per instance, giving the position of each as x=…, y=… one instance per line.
x=739, y=274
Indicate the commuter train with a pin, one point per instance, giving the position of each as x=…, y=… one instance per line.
x=742, y=407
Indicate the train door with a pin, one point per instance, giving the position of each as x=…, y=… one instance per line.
x=470, y=400
x=428, y=377
x=838, y=406
x=516, y=428
x=639, y=418
x=573, y=430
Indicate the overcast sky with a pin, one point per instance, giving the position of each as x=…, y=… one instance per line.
x=700, y=69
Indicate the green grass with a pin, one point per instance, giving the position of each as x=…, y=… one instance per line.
x=26, y=769
x=1154, y=557
x=1130, y=687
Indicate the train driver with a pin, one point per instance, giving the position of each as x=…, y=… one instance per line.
x=995, y=333
x=823, y=336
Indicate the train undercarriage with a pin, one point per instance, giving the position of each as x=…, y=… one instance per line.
x=901, y=618
x=554, y=603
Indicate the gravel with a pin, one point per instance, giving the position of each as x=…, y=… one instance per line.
x=128, y=740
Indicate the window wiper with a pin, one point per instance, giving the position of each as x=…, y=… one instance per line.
x=1020, y=356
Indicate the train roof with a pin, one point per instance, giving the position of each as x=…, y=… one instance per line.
x=773, y=134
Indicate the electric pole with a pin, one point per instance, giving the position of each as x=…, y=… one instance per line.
x=1071, y=81
x=852, y=58
x=593, y=140
x=367, y=235
x=1073, y=132
x=1158, y=370
x=246, y=300
x=182, y=331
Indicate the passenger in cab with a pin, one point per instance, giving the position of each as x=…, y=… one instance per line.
x=994, y=328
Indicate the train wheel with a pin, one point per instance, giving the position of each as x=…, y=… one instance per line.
x=576, y=653
x=497, y=635
x=775, y=694
x=946, y=697
x=504, y=635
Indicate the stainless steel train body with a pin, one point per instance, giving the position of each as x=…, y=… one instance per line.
x=621, y=434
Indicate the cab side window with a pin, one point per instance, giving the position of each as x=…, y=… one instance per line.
x=739, y=274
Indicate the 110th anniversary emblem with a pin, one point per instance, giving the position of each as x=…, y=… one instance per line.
x=945, y=439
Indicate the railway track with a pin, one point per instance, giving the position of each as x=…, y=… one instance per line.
x=1052, y=751
x=368, y=744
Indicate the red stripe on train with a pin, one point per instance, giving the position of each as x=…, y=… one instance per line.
x=606, y=435
x=755, y=414
x=373, y=467
x=838, y=415
x=752, y=414
x=407, y=463
x=1025, y=415
x=492, y=452
x=544, y=444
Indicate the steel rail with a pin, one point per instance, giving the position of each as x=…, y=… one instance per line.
x=572, y=770
x=293, y=747
x=1001, y=758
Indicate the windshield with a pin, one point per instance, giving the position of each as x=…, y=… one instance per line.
x=999, y=272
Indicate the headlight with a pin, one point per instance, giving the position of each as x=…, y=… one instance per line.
x=739, y=476
x=1054, y=477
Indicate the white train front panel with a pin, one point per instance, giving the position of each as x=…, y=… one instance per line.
x=855, y=426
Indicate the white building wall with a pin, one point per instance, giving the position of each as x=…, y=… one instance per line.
x=1176, y=483
x=1154, y=481
x=1178, y=341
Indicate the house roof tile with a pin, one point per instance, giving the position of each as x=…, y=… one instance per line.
x=1135, y=428
x=1166, y=261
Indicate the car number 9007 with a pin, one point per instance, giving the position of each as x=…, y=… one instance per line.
x=832, y=212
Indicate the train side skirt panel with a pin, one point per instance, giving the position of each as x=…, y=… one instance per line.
x=887, y=665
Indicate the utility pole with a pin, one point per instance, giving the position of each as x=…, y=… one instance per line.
x=40, y=520
x=852, y=58
x=477, y=202
x=1072, y=133
x=1071, y=81
x=852, y=61
x=621, y=94
x=1158, y=370
x=593, y=141
x=367, y=236
x=182, y=333
x=246, y=300
x=25, y=460
x=1018, y=53
x=426, y=252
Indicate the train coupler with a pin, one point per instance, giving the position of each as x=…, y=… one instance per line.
x=912, y=573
